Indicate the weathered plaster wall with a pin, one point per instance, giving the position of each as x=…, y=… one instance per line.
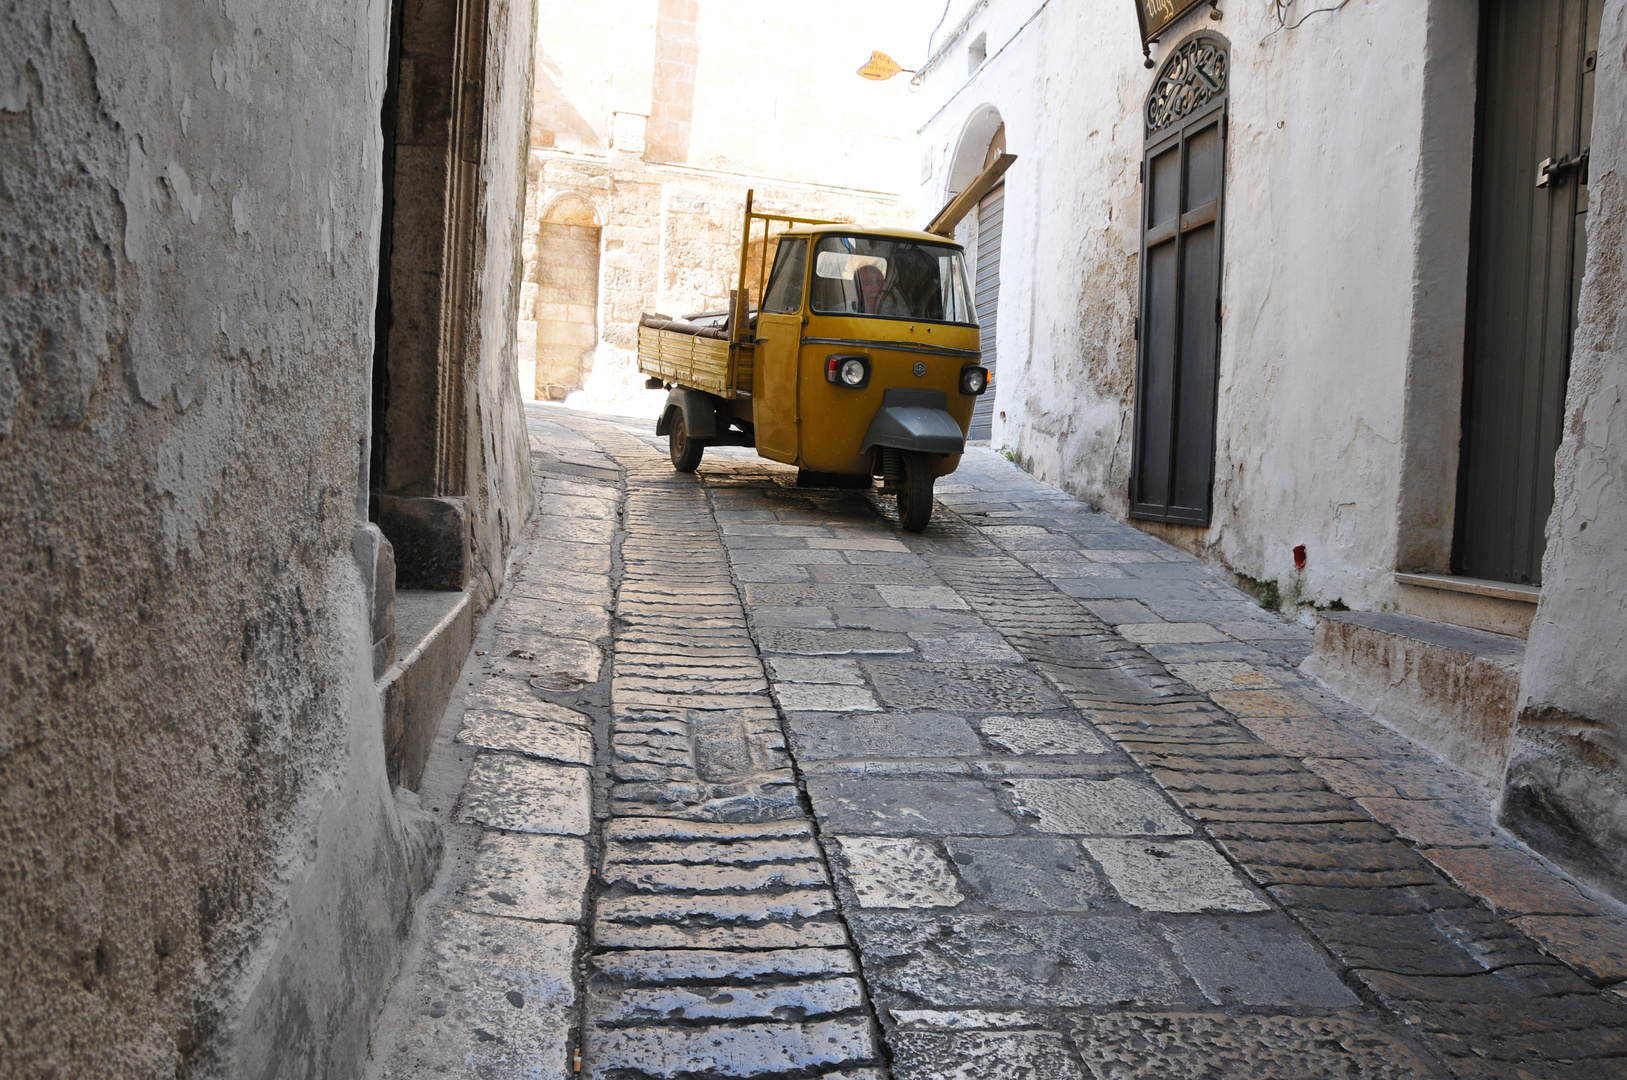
x=1069, y=241
x=204, y=870
x=1565, y=788
x=498, y=455
x=1323, y=279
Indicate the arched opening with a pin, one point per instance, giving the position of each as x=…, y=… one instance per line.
x=972, y=149
x=982, y=141
x=567, y=304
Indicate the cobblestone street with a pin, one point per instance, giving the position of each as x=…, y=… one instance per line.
x=744, y=781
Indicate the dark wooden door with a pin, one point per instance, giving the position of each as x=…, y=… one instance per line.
x=1178, y=335
x=991, y=215
x=1536, y=84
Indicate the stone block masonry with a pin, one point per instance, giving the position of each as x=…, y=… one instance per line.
x=868, y=804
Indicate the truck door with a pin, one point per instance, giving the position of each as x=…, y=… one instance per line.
x=779, y=341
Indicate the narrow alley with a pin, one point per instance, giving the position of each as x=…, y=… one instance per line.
x=924, y=540
x=744, y=781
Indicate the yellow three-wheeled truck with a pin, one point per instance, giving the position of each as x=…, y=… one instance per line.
x=861, y=360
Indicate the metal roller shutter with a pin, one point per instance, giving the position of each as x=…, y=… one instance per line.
x=990, y=215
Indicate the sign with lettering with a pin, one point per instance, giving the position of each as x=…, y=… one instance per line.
x=1157, y=15
x=880, y=67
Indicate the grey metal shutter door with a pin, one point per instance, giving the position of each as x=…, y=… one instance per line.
x=1173, y=468
x=991, y=214
x=1535, y=96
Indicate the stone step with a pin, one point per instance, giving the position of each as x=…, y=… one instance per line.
x=1453, y=689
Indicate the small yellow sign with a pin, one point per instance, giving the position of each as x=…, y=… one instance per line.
x=880, y=67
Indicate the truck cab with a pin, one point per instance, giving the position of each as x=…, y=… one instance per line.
x=861, y=360
x=856, y=322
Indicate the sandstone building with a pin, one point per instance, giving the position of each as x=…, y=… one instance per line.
x=650, y=120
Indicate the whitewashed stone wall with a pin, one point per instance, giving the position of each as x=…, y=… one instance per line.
x=1338, y=221
x=1566, y=787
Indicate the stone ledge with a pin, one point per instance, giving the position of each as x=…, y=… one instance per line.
x=1451, y=688
x=1493, y=606
x=436, y=631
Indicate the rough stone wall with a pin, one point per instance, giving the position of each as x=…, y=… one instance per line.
x=205, y=872
x=498, y=450
x=1320, y=265
x=1565, y=788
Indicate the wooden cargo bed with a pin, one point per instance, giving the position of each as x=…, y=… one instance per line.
x=696, y=356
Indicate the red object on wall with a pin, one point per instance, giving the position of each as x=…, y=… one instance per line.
x=1299, y=556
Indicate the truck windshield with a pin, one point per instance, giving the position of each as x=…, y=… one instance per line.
x=894, y=279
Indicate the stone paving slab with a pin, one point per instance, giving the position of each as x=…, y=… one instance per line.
x=509, y=792
x=735, y=1051
x=493, y=999
x=1172, y=875
x=1008, y=961
x=520, y=698
x=1263, y=961
x=1029, y=874
x=1595, y=947
x=1511, y=881
x=520, y=876
x=846, y=805
x=1157, y=1046
x=999, y=1055
x=815, y=997
x=546, y=739
x=898, y=872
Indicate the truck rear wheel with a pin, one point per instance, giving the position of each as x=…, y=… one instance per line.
x=915, y=493
x=686, y=452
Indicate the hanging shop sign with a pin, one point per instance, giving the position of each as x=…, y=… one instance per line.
x=1157, y=15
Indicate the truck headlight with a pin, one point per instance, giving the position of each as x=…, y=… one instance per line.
x=974, y=380
x=852, y=372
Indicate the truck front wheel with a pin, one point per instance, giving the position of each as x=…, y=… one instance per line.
x=686, y=452
x=915, y=493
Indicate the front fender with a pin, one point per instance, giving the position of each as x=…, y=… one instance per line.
x=699, y=409
x=915, y=420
